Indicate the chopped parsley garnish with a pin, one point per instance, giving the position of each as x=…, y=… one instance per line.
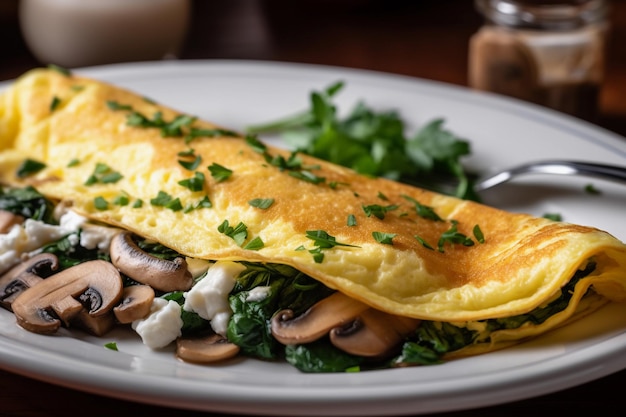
x=423, y=211
x=121, y=200
x=100, y=203
x=111, y=346
x=195, y=183
x=307, y=176
x=261, y=203
x=591, y=189
x=351, y=220
x=322, y=241
x=378, y=211
x=59, y=69
x=385, y=238
x=423, y=242
x=553, y=216
x=219, y=173
x=163, y=199
x=114, y=105
x=103, y=174
x=255, y=244
x=179, y=126
x=54, y=104
x=73, y=163
x=238, y=233
x=187, y=164
x=478, y=234
x=29, y=167
x=453, y=236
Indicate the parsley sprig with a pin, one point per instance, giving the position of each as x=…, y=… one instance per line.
x=180, y=126
x=374, y=142
x=322, y=241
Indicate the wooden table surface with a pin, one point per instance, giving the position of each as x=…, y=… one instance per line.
x=426, y=39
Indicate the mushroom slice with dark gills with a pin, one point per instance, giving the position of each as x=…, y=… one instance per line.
x=135, y=304
x=25, y=275
x=333, y=311
x=160, y=274
x=207, y=349
x=374, y=334
x=94, y=285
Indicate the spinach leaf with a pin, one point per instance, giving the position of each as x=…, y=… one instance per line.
x=320, y=356
x=287, y=288
x=27, y=202
x=71, y=253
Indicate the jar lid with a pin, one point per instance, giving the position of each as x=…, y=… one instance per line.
x=543, y=14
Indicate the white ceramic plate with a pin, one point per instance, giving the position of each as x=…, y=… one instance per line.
x=503, y=132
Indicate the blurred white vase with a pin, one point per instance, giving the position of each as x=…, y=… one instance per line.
x=76, y=33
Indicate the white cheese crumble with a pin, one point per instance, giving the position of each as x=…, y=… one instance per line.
x=257, y=294
x=162, y=326
x=209, y=297
x=33, y=234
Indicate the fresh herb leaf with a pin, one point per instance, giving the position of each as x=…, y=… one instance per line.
x=378, y=211
x=423, y=242
x=553, y=216
x=424, y=211
x=385, y=238
x=103, y=174
x=195, y=183
x=219, y=173
x=54, y=104
x=453, y=236
x=238, y=233
x=261, y=203
x=255, y=244
x=29, y=167
x=59, y=69
x=374, y=142
x=191, y=165
x=351, y=220
x=114, y=105
x=478, y=234
x=100, y=203
x=591, y=189
x=111, y=346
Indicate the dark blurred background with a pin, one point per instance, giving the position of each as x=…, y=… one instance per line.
x=426, y=38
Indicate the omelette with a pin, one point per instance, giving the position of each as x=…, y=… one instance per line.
x=387, y=255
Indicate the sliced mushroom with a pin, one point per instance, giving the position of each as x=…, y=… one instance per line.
x=93, y=285
x=333, y=311
x=209, y=349
x=97, y=326
x=24, y=275
x=8, y=220
x=160, y=274
x=135, y=304
x=373, y=334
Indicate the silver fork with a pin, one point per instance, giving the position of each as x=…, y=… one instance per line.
x=557, y=167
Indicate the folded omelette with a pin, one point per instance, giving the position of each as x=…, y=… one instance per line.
x=209, y=193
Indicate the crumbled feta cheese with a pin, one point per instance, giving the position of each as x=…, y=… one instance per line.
x=209, y=297
x=162, y=326
x=257, y=294
x=99, y=237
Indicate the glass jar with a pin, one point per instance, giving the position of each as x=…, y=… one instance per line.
x=547, y=52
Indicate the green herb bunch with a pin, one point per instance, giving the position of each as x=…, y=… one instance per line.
x=375, y=143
